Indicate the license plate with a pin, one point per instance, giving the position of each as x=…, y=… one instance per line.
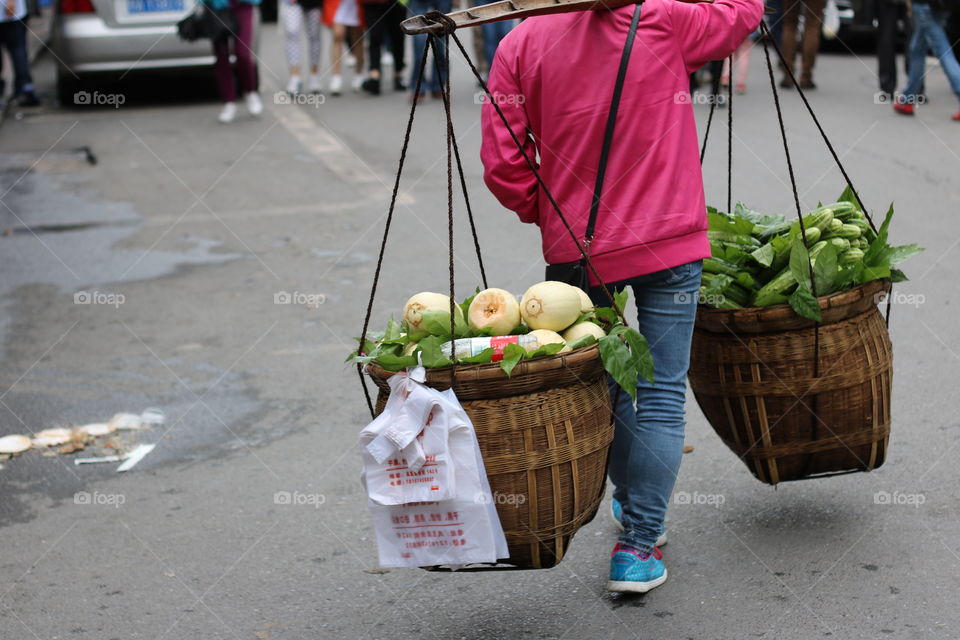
x=154, y=6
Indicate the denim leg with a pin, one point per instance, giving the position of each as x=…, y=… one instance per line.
x=417, y=8
x=648, y=441
x=17, y=47
x=938, y=41
x=918, y=51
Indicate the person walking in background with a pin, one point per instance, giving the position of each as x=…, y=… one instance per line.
x=436, y=79
x=241, y=43
x=741, y=61
x=812, y=23
x=928, y=33
x=888, y=14
x=383, y=18
x=13, y=38
x=651, y=232
x=343, y=17
x=297, y=14
x=493, y=33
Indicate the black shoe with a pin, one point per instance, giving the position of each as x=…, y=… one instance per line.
x=786, y=83
x=371, y=86
x=398, y=84
x=28, y=99
x=807, y=84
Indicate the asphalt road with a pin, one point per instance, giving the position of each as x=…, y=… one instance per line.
x=184, y=232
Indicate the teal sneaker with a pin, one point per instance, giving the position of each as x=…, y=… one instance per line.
x=634, y=572
x=616, y=512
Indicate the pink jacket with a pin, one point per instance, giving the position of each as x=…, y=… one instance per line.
x=553, y=76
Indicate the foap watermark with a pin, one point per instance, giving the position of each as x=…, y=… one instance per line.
x=692, y=297
x=299, y=499
x=899, y=499
x=98, y=99
x=299, y=297
x=899, y=297
x=302, y=99
x=501, y=99
x=99, y=499
x=699, y=97
x=697, y=498
x=882, y=97
x=99, y=297
x=512, y=499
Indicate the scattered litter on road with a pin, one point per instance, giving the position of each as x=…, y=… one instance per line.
x=126, y=421
x=377, y=571
x=688, y=448
x=96, y=459
x=135, y=456
x=152, y=417
x=14, y=444
x=52, y=437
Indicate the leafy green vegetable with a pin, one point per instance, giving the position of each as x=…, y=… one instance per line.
x=825, y=270
x=431, y=354
x=804, y=303
x=512, y=354
x=483, y=357
x=583, y=341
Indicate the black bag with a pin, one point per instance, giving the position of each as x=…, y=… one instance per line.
x=204, y=22
x=575, y=273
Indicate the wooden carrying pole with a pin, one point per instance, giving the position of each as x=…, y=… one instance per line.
x=510, y=10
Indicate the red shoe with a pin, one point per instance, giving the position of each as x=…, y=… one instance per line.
x=904, y=109
x=955, y=116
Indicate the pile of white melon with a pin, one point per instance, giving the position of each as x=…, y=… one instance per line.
x=552, y=311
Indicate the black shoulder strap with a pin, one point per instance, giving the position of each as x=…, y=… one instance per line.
x=611, y=125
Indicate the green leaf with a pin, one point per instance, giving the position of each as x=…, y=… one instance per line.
x=483, y=357
x=723, y=222
x=901, y=253
x=512, y=354
x=431, y=354
x=716, y=285
x=847, y=196
x=640, y=353
x=547, y=350
x=437, y=323
x=393, y=362
x=764, y=255
x=874, y=273
x=805, y=304
x=898, y=276
x=621, y=298
x=393, y=330
x=582, y=341
x=825, y=270
x=606, y=315
x=618, y=361
x=800, y=263
x=761, y=220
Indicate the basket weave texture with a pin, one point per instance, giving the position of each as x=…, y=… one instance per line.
x=544, y=434
x=761, y=394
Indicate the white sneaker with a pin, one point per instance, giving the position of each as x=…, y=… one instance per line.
x=336, y=85
x=350, y=60
x=293, y=85
x=228, y=113
x=254, y=104
x=313, y=84
x=357, y=83
x=387, y=58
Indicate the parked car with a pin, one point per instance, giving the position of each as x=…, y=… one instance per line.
x=91, y=37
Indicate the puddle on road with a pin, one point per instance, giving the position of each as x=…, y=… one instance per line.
x=58, y=234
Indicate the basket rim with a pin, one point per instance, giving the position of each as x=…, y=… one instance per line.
x=523, y=368
x=785, y=311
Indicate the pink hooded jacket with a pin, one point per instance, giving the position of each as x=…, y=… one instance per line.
x=553, y=76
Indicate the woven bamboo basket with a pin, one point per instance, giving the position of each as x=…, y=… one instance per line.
x=544, y=434
x=753, y=373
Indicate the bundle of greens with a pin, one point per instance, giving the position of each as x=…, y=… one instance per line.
x=761, y=260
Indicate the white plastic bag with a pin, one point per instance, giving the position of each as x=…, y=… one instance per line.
x=404, y=450
x=462, y=529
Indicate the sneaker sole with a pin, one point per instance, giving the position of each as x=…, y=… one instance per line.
x=629, y=586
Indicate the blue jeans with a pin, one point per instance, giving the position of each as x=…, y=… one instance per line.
x=433, y=81
x=648, y=442
x=13, y=37
x=928, y=34
x=493, y=33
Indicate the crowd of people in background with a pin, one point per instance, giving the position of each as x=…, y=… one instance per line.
x=365, y=36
